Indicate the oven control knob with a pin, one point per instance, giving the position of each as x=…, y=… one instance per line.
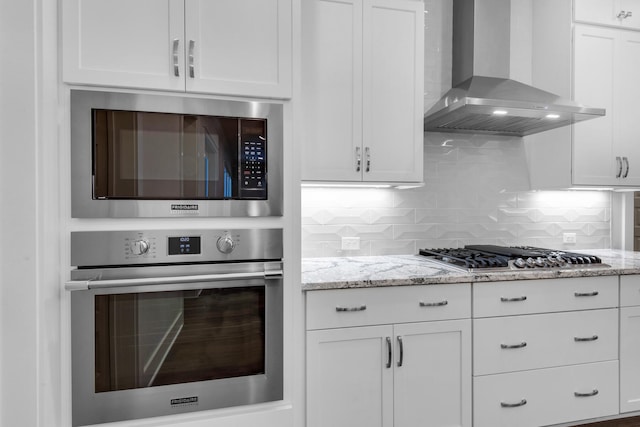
x=140, y=247
x=225, y=244
x=520, y=263
x=530, y=262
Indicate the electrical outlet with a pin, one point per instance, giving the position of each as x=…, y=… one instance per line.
x=569, y=238
x=350, y=243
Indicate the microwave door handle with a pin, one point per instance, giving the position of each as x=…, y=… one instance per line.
x=83, y=285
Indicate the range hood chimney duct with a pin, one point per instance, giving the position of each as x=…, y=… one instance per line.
x=484, y=100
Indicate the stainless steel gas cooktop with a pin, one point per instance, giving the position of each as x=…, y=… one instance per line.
x=476, y=258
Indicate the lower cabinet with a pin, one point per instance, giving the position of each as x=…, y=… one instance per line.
x=629, y=343
x=546, y=396
x=389, y=357
x=403, y=375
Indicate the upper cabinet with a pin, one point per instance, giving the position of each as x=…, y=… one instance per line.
x=229, y=47
x=596, y=66
x=362, y=79
x=617, y=13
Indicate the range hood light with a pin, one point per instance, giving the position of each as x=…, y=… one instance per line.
x=500, y=112
x=552, y=116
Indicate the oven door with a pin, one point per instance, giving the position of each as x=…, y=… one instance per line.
x=147, y=347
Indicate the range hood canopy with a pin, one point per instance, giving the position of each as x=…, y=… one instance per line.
x=484, y=100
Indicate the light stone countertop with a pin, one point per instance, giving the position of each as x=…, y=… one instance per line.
x=403, y=270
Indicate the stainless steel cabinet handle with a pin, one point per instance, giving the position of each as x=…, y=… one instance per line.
x=515, y=299
x=512, y=346
x=434, y=304
x=176, y=62
x=624, y=14
x=401, y=347
x=626, y=167
x=358, y=159
x=357, y=308
x=389, y=354
x=583, y=339
x=589, y=394
x=367, y=153
x=619, y=161
x=586, y=294
x=80, y=285
x=513, y=405
x=192, y=72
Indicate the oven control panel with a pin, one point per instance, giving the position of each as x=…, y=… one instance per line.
x=99, y=248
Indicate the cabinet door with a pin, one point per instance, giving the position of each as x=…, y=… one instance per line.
x=608, y=12
x=123, y=43
x=432, y=384
x=629, y=359
x=350, y=377
x=627, y=137
x=332, y=90
x=239, y=47
x=393, y=90
x=594, y=158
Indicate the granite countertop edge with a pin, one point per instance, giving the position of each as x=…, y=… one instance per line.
x=408, y=270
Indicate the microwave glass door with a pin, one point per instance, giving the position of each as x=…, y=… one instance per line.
x=172, y=337
x=167, y=156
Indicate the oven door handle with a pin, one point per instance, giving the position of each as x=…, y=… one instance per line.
x=83, y=285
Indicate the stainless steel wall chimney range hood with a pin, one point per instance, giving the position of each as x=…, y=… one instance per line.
x=484, y=100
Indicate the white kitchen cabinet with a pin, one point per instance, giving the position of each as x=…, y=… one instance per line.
x=606, y=150
x=616, y=13
x=594, y=65
x=629, y=343
x=545, y=351
x=348, y=383
x=231, y=47
x=391, y=375
x=362, y=74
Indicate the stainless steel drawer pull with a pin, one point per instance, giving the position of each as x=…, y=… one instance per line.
x=512, y=346
x=389, y=354
x=582, y=339
x=401, y=347
x=358, y=308
x=434, y=304
x=586, y=294
x=516, y=299
x=589, y=394
x=513, y=405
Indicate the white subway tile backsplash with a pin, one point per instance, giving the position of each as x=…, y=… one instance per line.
x=468, y=198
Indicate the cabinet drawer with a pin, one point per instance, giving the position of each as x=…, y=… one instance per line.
x=505, y=344
x=359, y=307
x=546, y=396
x=544, y=295
x=629, y=290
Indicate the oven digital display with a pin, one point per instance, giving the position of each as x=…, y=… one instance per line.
x=185, y=245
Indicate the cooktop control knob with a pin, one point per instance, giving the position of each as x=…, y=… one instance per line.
x=225, y=244
x=520, y=263
x=530, y=262
x=139, y=247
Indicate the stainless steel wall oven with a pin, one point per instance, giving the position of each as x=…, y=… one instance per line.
x=135, y=155
x=173, y=321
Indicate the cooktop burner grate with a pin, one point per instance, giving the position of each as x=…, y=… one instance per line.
x=501, y=258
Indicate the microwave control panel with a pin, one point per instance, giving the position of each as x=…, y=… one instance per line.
x=254, y=169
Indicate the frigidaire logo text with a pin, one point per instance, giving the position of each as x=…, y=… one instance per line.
x=184, y=207
x=181, y=401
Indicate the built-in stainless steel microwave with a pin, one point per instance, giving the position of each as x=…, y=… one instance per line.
x=140, y=155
